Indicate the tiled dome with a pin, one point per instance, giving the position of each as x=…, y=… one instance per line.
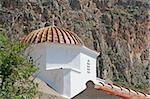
x=52, y=34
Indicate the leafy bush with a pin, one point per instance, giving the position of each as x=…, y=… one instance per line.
x=15, y=71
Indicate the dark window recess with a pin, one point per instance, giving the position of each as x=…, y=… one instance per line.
x=88, y=66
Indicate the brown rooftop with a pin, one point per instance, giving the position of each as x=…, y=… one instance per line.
x=102, y=90
x=52, y=34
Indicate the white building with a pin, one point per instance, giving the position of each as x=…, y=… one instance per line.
x=63, y=60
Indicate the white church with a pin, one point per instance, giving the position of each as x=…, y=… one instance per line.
x=63, y=60
x=67, y=65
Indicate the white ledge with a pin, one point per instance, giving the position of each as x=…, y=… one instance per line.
x=73, y=69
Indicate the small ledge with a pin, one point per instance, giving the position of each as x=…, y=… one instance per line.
x=73, y=69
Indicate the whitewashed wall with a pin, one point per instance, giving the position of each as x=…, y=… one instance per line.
x=62, y=55
x=66, y=68
x=78, y=80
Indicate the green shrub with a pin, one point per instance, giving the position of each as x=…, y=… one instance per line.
x=15, y=71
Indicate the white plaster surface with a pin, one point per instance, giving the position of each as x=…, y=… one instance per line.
x=64, y=67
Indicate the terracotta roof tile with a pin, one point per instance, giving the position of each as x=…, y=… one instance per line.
x=124, y=93
x=52, y=34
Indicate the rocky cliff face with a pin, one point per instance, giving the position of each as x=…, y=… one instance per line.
x=118, y=29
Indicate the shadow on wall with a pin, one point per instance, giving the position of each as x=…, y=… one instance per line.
x=91, y=93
